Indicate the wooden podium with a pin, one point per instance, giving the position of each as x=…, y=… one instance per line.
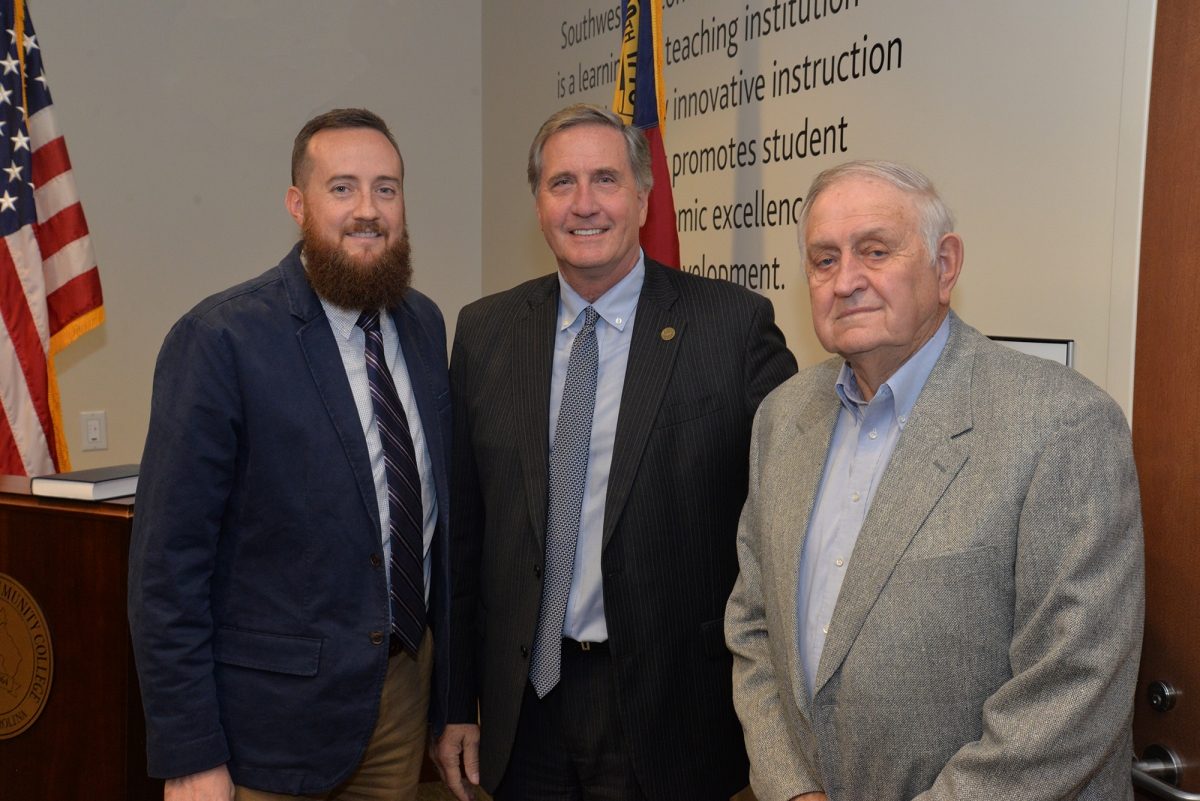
x=90, y=738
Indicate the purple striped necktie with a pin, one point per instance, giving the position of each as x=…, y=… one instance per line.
x=407, y=564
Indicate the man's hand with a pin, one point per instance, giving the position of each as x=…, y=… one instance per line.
x=810, y=797
x=213, y=784
x=455, y=754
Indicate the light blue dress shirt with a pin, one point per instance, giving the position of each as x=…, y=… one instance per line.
x=352, y=343
x=863, y=441
x=614, y=331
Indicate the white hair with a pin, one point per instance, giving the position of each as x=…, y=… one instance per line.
x=936, y=218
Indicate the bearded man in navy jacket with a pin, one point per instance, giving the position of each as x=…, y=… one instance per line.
x=288, y=592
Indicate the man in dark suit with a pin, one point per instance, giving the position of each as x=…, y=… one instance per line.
x=602, y=427
x=289, y=547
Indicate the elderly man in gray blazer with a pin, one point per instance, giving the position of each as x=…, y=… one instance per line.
x=941, y=584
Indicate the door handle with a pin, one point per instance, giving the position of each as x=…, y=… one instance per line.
x=1157, y=772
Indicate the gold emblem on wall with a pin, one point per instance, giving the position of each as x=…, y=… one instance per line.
x=26, y=659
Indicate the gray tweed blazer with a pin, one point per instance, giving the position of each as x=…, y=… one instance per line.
x=985, y=643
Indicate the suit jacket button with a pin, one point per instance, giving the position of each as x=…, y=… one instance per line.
x=375, y=560
x=537, y=571
x=524, y=652
x=376, y=638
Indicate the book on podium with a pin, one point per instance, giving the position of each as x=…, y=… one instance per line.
x=98, y=484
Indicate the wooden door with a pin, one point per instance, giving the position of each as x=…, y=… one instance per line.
x=1166, y=406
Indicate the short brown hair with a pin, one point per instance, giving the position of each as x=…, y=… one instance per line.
x=636, y=146
x=337, y=118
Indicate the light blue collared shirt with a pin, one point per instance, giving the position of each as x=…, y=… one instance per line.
x=614, y=331
x=863, y=441
x=352, y=343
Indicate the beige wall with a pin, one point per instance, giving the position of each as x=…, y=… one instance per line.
x=179, y=116
x=518, y=95
x=1030, y=116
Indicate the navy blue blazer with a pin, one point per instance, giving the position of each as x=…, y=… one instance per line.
x=254, y=587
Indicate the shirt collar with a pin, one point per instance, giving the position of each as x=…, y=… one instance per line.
x=343, y=320
x=615, y=306
x=904, y=386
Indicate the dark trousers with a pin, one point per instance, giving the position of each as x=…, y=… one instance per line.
x=570, y=744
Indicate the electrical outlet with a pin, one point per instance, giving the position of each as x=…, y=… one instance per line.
x=95, y=431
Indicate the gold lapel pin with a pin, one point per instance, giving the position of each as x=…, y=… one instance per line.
x=668, y=334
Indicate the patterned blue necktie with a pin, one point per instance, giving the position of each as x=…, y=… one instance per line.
x=568, y=474
x=405, y=516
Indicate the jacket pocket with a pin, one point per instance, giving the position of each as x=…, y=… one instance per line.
x=688, y=410
x=948, y=568
x=278, y=653
x=712, y=638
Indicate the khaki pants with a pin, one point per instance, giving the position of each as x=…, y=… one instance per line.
x=391, y=767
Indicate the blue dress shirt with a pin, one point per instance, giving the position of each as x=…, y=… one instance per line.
x=863, y=441
x=352, y=343
x=614, y=331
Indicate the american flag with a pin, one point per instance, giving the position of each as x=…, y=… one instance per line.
x=49, y=284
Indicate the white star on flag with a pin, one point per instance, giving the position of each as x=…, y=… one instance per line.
x=5, y=95
x=14, y=172
x=42, y=80
x=31, y=43
x=10, y=65
x=7, y=202
x=20, y=141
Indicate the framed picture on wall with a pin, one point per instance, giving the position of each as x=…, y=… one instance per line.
x=1056, y=350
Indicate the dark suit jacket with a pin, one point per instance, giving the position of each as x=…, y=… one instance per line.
x=677, y=483
x=253, y=583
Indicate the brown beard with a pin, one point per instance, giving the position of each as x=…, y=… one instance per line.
x=353, y=283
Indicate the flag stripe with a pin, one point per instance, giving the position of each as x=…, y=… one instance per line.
x=43, y=128
x=60, y=230
x=26, y=427
x=10, y=456
x=22, y=333
x=54, y=196
x=49, y=161
x=29, y=437
x=27, y=265
x=73, y=299
x=72, y=261
x=658, y=236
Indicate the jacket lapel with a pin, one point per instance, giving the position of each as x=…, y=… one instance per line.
x=647, y=373
x=926, y=460
x=329, y=374
x=532, y=364
x=803, y=464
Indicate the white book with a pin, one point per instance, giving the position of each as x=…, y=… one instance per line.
x=99, y=484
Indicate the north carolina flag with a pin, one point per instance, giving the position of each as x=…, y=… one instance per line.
x=49, y=284
x=641, y=69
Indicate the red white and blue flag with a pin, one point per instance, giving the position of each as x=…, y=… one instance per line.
x=49, y=285
x=641, y=100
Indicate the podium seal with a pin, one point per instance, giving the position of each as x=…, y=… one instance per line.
x=26, y=659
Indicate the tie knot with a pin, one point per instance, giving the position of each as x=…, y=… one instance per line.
x=590, y=316
x=369, y=322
